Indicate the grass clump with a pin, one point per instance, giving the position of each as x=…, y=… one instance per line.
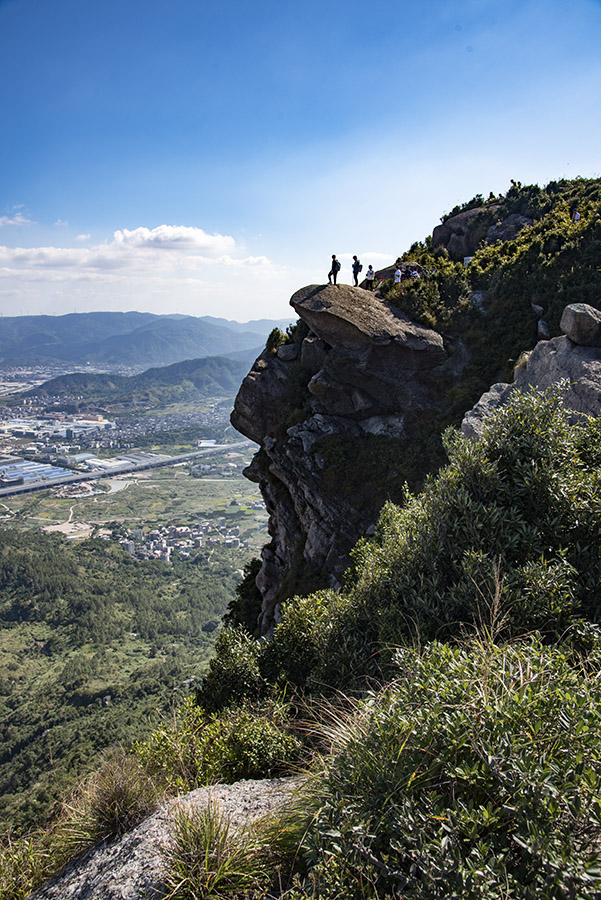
x=107, y=804
x=207, y=858
x=24, y=864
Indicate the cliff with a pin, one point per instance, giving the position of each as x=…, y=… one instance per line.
x=503, y=544
x=356, y=375
x=352, y=407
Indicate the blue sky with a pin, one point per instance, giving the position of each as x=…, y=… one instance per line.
x=208, y=159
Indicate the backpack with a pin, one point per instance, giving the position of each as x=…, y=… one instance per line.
x=360, y=269
x=336, y=266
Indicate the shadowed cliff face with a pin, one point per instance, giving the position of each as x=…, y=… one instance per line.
x=356, y=370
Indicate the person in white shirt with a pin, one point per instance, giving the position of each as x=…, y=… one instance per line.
x=397, y=275
x=369, y=277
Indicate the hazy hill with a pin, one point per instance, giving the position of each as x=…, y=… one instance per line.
x=111, y=339
x=193, y=378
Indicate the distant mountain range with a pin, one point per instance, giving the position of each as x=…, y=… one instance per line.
x=111, y=340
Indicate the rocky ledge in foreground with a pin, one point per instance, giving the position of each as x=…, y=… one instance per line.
x=357, y=366
x=130, y=868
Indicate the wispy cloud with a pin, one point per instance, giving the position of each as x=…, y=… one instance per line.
x=83, y=237
x=15, y=218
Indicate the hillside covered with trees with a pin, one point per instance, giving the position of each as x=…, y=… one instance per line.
x=192, y=379
x=95, y=647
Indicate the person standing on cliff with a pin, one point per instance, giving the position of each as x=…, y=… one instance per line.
x=356, y=269
x=369, y=277
x=335, y=269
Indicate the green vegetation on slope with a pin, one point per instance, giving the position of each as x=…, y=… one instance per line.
x=95, y=646
x=551, y=263
x=193, y=379
x=476, y=772
x=513, y=523
x=485, y=306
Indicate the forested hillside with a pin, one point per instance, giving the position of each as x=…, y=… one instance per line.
x=95, y=647
x=193, y=379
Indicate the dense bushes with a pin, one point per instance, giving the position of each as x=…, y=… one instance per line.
x=475, y=774
x=550, y=264
x=505, y=537
x=242, y=742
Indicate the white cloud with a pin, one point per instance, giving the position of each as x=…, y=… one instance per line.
x=164, y=269
x=160, y=250
x=61, y=223
x=175, y=237
x=17, y=218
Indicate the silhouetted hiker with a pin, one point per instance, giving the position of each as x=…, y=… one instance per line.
x=357, y=267
x=332, y=274
x=369, y=277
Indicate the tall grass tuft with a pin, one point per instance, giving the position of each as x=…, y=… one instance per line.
x=107, y=804
x=24, y=864
x=208, y=858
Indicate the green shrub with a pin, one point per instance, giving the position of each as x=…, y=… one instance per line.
x=245, y=607
x=476, y=774
x=504, y=539
x=196, y=748
x=274, y=340
x=233, y=675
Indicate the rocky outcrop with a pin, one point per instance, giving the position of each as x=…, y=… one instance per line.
x=581, y=323
x=358, y=366
x=573, y=360
x=463, y=233
x=130, y=868
x=507, y=228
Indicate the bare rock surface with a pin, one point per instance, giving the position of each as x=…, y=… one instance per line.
x=507, y=229
x=469, y=229
x=558, y=361
x=582, y=324
x=130, y=868
x=353, y=319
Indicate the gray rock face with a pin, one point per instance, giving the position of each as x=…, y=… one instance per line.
x=582, y=324
x=261, y=397
x=365, y=366
x=550, y=363
x=130, y=868
x=507, y=229
x=463, y=233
